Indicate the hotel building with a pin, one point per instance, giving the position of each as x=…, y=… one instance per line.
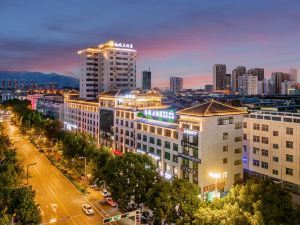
x=109, y=66
x=202, y=144
x=271, y=147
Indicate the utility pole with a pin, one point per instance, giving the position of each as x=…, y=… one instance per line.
x=27, y=170
x=82, y=157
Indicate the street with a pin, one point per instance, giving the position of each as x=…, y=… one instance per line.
x=60, y=202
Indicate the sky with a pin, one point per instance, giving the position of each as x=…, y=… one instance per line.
x=173, y=37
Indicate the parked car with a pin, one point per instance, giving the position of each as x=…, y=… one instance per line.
x=111, y=202
x=87, y=209
x=93, y=185
x=105, y=193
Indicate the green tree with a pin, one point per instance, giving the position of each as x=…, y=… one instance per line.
x=23, y=206
x=174, y=202
x=129, y=177
x=258, y=202
x=101, y=162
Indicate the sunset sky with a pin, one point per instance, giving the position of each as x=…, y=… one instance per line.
x=175, y=38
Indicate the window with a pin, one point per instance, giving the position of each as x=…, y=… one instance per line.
x=145, y=148
x=256, y=138
x=289, y=131
x=158, y=152
x=144, y=138
x=145, y=127
x=152, y=140
x=225, y=148
x=237, y=139
x=237, y=177
x=255, y=162
x=167, y=144
x=175, y=134
x=238, y=162
x=175, y=147
x=158, y=142
x=238, y=150
x=275, y=172
x=264, y=165
x=275, y=159
x=256, y=151
x=225, y=120
x=245, y=125
x=175, y=158
x=225, y=160
x=167, y=133
x=159, y=131
x=139, y=145
x=275, y=146
x=245, y=137
x=289, y=144
x=225, y=136
x=265, y=127
x=256, y=126
x=139, y=126
x=139, y=136
x=289, y=158
x=152, y=129
x=264, y=152
x=151, y=150
x=265, y=140
x=289, y=171
x=238, y=125
x=167, y=155
x=275, y=133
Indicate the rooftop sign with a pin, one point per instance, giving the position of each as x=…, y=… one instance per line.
x=120, y=45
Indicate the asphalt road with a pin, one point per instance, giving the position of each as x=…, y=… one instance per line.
x=59, y=200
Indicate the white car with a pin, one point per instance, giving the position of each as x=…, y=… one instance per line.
x=105, y=193
x=87, y=209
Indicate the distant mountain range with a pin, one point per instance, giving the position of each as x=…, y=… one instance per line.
x=40, y=78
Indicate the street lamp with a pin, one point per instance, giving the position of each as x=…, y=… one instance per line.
x=27, y=170
x=216, y=176
x=82, y=157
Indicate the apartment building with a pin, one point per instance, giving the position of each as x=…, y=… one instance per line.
x=271, y=146
x=81, y=115
x=109, y=66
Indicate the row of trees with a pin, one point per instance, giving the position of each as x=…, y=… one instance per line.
x=16, y=201
x=133, y=178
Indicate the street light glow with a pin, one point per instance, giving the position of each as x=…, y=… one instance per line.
x=215, y=175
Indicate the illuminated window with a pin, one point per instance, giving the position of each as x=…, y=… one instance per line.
x=256, y=126
x=265, y=127
x=159, y=131
x=167, y=133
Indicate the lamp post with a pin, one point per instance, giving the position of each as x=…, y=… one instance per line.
x=27, y=170
x=216, y=176
x=82, y=157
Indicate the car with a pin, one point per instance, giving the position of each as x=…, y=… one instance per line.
x=93, y=185
x=105, y=193
x=87, y=209
x=111, y=202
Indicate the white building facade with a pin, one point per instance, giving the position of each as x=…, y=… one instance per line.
x=109, y=66
x=271, y=147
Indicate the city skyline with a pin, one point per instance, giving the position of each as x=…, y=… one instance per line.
x=186, y=43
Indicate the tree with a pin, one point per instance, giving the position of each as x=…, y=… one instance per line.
x=256, y=202
x=129, y=177
x=16, y=202
x=174, y=202
x=101, y=162
x=23, y=206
